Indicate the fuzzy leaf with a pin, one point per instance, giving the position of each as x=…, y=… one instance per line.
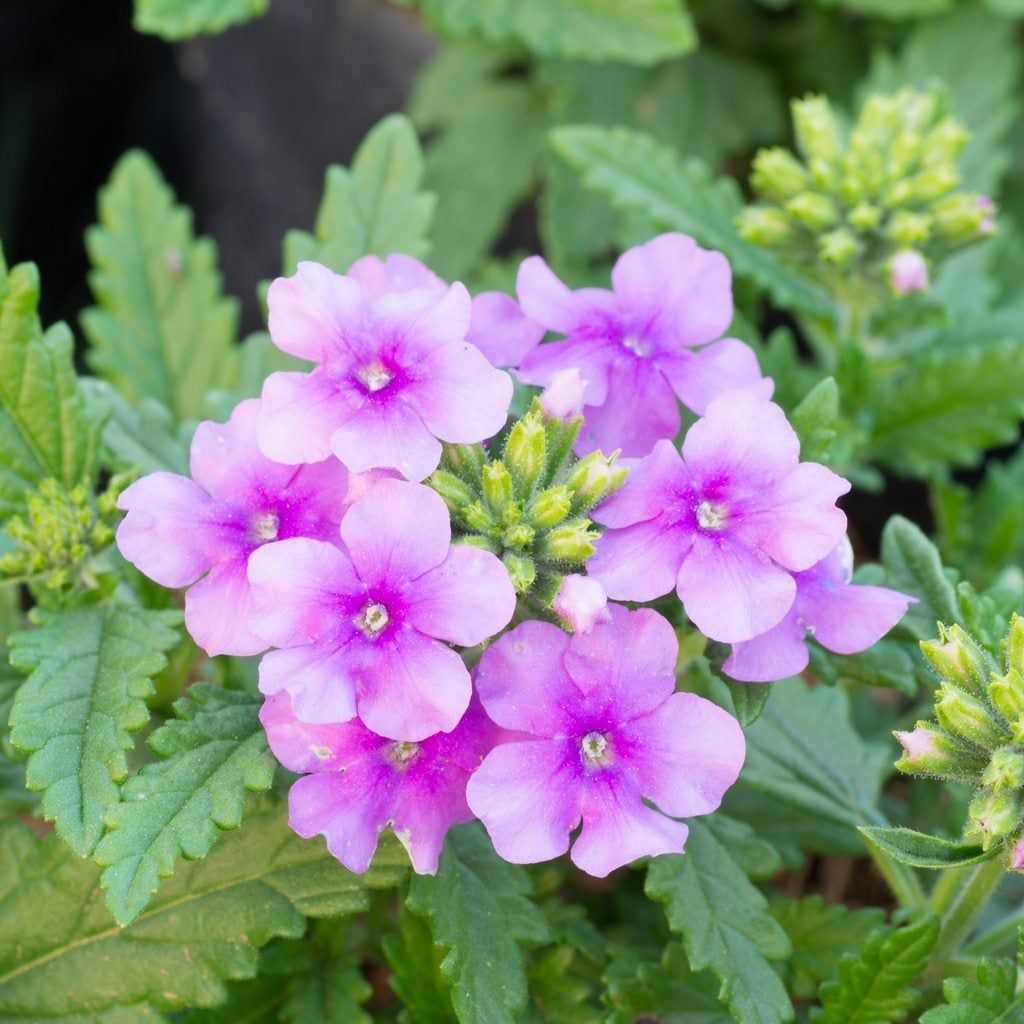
x=635, y=173
x=62, y=960
x=181, y=19
x=161, y=328
x=875, y=986
x=212, y=754
x=987, y=1000
x=723, y=919
x=376, y=207
x=815, y=420
x=415, y=978
x=924, y=851
x=644, y=32
x=47, y=427
x=479, y=910
x=91, y=672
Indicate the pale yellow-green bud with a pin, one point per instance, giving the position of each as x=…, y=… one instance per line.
x=477, y=517
x=455, y=492
x=1005, y=770
x=1007, y=694
x=497, y=484
x=959, y=658
x=777, y=174
x=929, y=750
x=519, y=536
x=944, y=143
x=959, y=217
x=865, y=217
x=816, y=129
x=965, y=715
x=526, y=451
x=571, y=542
x=594, y=478
x=908, y=229
x=993, y=816
x=549, y=507
x=813, y=210
x=521, y=570
x=766, y=226
x=839, y=247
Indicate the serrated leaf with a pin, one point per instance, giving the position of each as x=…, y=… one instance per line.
x=875, y=986
x=924, y=851
x=91, y=672
x=723, y=919
x=376, y=207
x=62, y=959
x=820, y=935
x=213, y=753
x=479, y=911
x=644, y=32
x=636, y=173
x=182, y=19
x=815, y=420
x=415, y=964
x=988, y=1000
x=47, y=427
x=161, y=328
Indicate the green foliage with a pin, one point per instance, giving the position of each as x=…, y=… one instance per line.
x=180, y=19
x=987, y=1000
x=48, y=429
x=212, y=754
x=416, y=979
x=723, y=919
x=62, y=959
x=875, y=985
x=91, y=671
x=375, y=207
x=645, y=32
x=479, y=910
x=924, y=851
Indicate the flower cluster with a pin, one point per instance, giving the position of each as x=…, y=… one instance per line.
x=885, y=197
x=372, y=529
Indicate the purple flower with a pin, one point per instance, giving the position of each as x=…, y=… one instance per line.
x=842, y=616
x=607, y=731
x=726, y=524
x=360, y=627
x=631, y=344
x=179, y=529
x=908, y=272
x=395, y=375
x=358, y=782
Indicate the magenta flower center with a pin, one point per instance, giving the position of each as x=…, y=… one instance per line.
x=595, y=750
x=374, y=376
x=402, y=754
x=265, y=526
x=372, y=620
x=712, y=515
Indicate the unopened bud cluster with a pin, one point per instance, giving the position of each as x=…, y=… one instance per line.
x=978, y=737
x=59, y=534
x=881, y=197
x=529, y=506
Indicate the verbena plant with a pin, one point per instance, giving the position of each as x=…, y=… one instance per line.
x=483, y=641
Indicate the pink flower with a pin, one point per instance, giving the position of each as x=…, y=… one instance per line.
x=360, y=627
x=842, y=616
x=563, y=398
x=607, y=732
x=395, y=375
x=988, y=224
x=726, y=524
x=179, y=529
x=358, y=783
x=582, y=602
x=909, y=272
x=631, y=344
x=1017, y=856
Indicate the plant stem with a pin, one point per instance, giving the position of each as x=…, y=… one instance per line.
x=902, y=880
x=945, y=890
x=970, y=901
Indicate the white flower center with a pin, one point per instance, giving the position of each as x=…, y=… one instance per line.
x=638, y=346
x=594, y=750
x=265, y=526
x=711, y=516
x=375, y=377
x=403, y=753
x=372, y=620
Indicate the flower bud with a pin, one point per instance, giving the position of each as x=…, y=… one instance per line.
x=1005, y=770
x=571, y=542
x=1017, y=856
x=765, y=226
x=549, y=507
x=813, y=210
x=958, y=217
x=928, y=750
x=465, y=460
x=908, y=272
x=1007, y=694
x=988, y=223
x=594, y=478
x=478, y=518
x=933, y=183
x=908, y=229
x=964, y=715
x=521, y=570
x=478, y=540
x=817, y=133
x=526, y=451
x=944, y=143
x=956, y=656
x=581, y=602
x=865, y=217
x=455, y=492
x=497, y=485
x=993, y=816
x=777, y=174
x=839, y=247
x=519, y=536
x=562, y=399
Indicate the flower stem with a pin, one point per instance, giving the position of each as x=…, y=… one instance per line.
x=964, y=910
x=901, y=879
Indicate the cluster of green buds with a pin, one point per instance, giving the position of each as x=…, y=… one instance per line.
x=529, y=507
x=978, y=735
x=59, y=534
x=883, y=198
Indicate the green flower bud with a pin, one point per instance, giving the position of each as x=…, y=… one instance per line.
x=765, y=225
x=521, y=570
x=964, y=715
x=777, y=174
x=1007, y=694
x=929, y=750
x=465, y=460
x=519, y=536
x=526, y=451
x=497, y=486
x=477, y=540
x=549, y=507
x=907, y=229
x=934, y=183
x=815, y=211
x=1013, y=645
x=455, y=492
x=1005, y=770
x=957, y=656
x=993, y=816
x=477, y=517
x=594, y=478
x=571, y=542
x=839, y=247
x=816, y=129
x=865, y=217
x=959, y=217
x=944, y=143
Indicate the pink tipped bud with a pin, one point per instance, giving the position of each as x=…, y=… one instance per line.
x=909, y=272
x=562, y=399
x=988, y=225
x=582, y=602
x=918, y=743
x=1017, y=856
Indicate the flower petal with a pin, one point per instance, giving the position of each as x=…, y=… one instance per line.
x=544, y=298
x=582, y=602
x=779, y=653
x=654, y=482
x=396, y=273
x=218, y=610
x=301, y=747
x=641, y=562
x=319, y=682
x=700, y=377
x=387, y=435
x=594, y=358
x=500, y=329
x=849, y=618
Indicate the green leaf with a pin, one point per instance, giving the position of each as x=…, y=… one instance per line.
x=63, y=960
x=748, y=700
x=479, y=910
x=415, y=978
x=47, y=427
x=213, y=753
x=91, y=672
x=161, y=328
x=644, y=32
x=637, y=174
x=923, y=851
x=815, y=420
x=820, y=934
x=375, y=208
x=181, y=19
x=723, y=919
x=874, y=986
x=987, y=1000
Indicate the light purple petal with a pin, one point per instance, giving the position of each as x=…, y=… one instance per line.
x=682, y=291
x=315, y=499
x=563, y=398
x=318, y=680
x=779, y=653
x=225, y=460
x=218, y=610
x=653, y=482
x=582, y=602
x=466, y=599
x=545, y=299
x=387, y=435
x=528, y=795
x=700, y=377
x=422, y=320
x=300, y=588
x=173, y=531
x=594, y=358
x=396, y=273
x=301, y=747
x=311, y=312
x=849, y=618
x=641, y=562
x=500, y=329
x=731, y=593
x=687, y=752
x=300, y=414
x=396, y=532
